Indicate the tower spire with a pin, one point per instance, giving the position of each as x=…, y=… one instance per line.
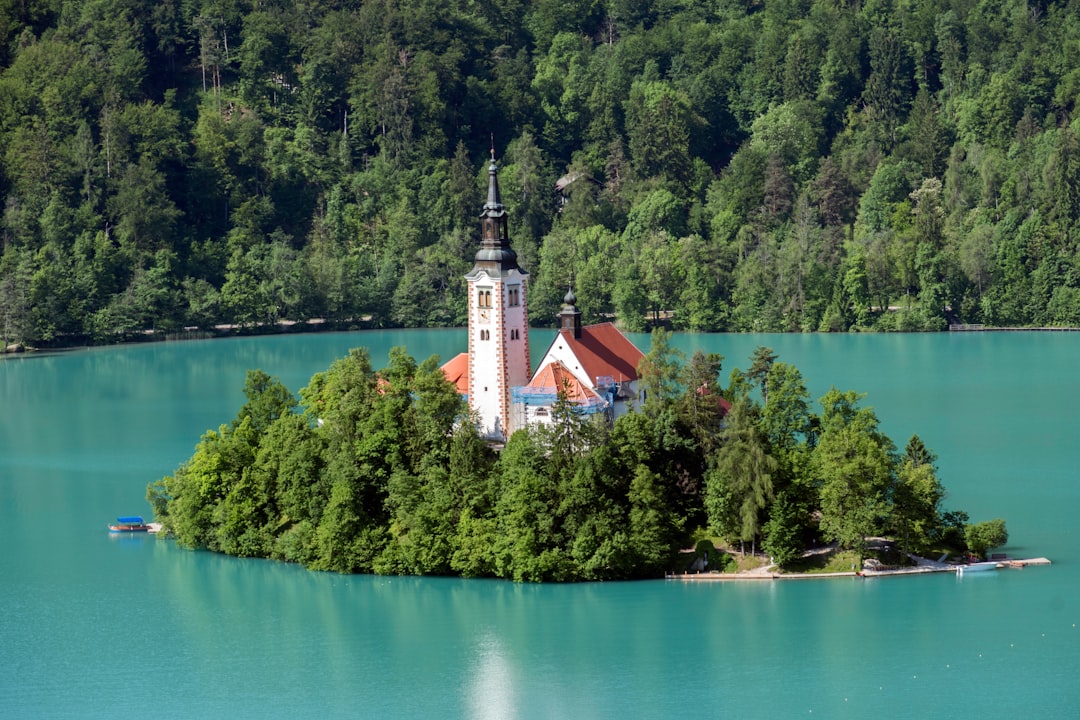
x=495, y=254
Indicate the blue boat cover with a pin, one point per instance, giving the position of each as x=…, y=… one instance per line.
x=129, y=520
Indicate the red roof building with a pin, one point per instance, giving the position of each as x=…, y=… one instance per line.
x=601, y=361
x=456, y=371
x=600, y=351
x=595, y=367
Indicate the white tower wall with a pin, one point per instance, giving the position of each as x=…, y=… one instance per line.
x=498, y=322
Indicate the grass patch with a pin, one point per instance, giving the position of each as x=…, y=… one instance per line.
x=833, y=561
x=749, y=562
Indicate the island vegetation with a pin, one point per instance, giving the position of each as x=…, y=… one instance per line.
x=382, y=472
x=786, y=165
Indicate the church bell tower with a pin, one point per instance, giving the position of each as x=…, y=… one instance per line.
x=498, y=320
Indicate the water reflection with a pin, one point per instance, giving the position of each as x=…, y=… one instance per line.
x=491, y=693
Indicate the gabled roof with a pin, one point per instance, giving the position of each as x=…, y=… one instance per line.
x=603, y=351
x=555, y=377
x=704, y=391
x=456, y=370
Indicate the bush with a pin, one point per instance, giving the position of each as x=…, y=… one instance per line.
x=952, y=529
x=297, y=544
x=986, y=535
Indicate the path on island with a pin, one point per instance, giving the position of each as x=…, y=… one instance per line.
x=771, y=571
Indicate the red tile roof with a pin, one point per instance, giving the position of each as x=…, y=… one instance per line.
x=456, y=370
x=704, y=391
x=555, y=377
x=604, y=351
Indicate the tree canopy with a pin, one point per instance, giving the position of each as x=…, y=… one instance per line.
x=382, y=472
x=766, y=166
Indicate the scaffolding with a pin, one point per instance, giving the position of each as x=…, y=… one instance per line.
x=535, y=397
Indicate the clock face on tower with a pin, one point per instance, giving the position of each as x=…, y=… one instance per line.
x=484, y=315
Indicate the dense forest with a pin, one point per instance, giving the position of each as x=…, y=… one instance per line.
x=768, y=165
x=382, y=472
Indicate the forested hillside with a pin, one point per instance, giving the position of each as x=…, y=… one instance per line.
x=725, y=165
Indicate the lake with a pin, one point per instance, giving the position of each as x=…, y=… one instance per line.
x=93, y=625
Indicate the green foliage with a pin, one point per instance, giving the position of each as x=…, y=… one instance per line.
x=842, y=561
x=653, y=529
x=701, y=407
x=267, y=400
x=916, y=499
x=659, y=372
x=383, y=472
x=786, y=417
x=784, y=532
x=853, y=464
x=529, y=546
x=984, y=536
x=744, y=468
x=744, y=168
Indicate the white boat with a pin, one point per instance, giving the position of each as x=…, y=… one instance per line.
x=976, y=567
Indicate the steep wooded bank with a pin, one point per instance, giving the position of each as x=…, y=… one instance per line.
x=727, y=165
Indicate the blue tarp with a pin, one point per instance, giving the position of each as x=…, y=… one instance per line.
x=129, y=520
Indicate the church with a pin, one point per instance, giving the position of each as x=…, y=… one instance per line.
x=595, y=366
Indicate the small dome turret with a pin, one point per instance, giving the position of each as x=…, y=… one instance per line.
x=570, y=316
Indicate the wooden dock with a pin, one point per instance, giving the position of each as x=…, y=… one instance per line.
x=1021, y=564
x=958, y=327
x=928, y=567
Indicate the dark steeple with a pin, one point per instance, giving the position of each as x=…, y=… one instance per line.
x=495, y=254
x=570, y=316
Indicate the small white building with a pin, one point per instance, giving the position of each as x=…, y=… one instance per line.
x=594, y=365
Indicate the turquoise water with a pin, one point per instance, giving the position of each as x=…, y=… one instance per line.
x=92, y=624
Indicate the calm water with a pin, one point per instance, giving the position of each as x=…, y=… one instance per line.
x=91, y=624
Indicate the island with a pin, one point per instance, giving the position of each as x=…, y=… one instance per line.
x=383, y=471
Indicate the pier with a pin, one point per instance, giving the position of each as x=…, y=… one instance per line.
x=959, y=327
x=922, y=567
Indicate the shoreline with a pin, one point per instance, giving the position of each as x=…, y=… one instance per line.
x=923, y=567
x=320, y=325
x=139, y=337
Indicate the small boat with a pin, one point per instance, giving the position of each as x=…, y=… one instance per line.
x=977, y=567
x=129, y=524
